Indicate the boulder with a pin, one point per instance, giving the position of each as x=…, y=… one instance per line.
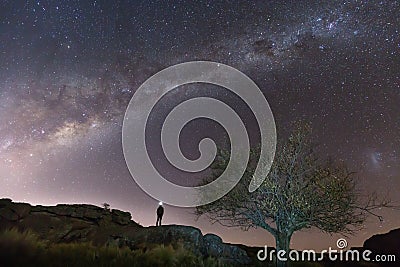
x=121, y=217
x=13, y=211
x=8, y=214
x=22, y=209
x=190, y=237
x=214, y=247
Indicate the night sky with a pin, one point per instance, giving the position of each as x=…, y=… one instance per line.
x=69, y=68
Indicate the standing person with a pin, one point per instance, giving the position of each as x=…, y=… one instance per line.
x=160, y=213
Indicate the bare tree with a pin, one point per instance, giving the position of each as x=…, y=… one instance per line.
x=301, y=191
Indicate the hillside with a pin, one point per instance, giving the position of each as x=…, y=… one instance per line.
x=104, y=228
x=87, y=223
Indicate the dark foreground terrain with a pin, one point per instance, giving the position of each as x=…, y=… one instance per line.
x=86, y=235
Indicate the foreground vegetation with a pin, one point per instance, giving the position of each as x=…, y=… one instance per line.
x=26, y=249
x=21, y=249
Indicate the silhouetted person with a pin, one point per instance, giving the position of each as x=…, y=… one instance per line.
x=160, y=213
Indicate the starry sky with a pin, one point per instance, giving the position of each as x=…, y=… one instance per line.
x=69, y=68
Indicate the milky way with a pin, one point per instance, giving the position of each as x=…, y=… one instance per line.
x=68, y=71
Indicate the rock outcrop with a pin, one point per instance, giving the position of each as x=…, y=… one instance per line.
x=89, y=223
x=385, y=244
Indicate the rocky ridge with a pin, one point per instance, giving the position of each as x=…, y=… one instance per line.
x=89, y=223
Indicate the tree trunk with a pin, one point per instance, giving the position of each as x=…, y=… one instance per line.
x=282, y=243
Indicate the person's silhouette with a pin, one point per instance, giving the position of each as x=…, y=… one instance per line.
x=160, y=213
